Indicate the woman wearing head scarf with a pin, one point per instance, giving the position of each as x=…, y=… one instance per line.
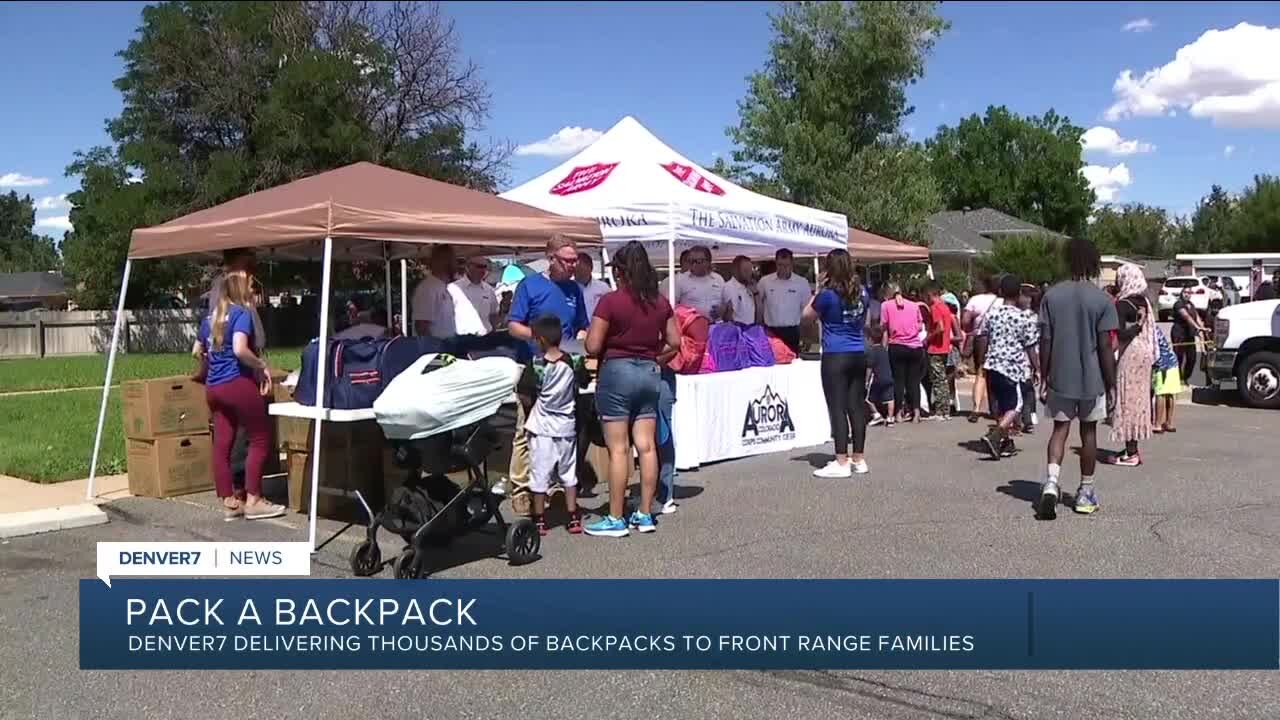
x=1132, y=420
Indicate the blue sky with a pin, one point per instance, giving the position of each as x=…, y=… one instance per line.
x=1197, y=109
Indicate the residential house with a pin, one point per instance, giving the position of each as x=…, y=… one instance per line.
x=32, y=291
x=958, y=237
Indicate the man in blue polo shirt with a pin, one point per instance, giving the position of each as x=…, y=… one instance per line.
x=555, y=292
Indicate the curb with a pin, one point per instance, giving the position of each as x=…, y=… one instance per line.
x=33, y=522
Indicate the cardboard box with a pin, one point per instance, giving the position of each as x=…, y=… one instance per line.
x=351, y=459
x=280, y=393
x=164, y=406
x=169, y=466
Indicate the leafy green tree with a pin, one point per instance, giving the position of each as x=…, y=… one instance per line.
x=1134, y=230
x=21, y=250
x=226, y=98
x=1210, y=226
x=1026, y=167
x=1033, y=258
x=820, y=124
x=1255, y=225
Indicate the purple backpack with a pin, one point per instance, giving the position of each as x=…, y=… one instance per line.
x=724, y=348
x=756, y=351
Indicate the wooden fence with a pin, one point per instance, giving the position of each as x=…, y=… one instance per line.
x=42, y=333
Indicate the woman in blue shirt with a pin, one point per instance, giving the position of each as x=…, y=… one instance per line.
x=236, y=380
x=843, y=307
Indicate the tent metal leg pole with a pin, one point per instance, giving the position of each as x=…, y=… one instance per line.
x=817, y=270
x=106, y=382
x=604, y=264
x=386, y=262
x=404, y=297
x=321, y=357
x=671, y=270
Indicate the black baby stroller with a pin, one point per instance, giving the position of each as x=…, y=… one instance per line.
x=429, y=510
x=437, y=414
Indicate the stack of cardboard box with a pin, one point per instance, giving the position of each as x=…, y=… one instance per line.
x=168, y=445
x=350, y=459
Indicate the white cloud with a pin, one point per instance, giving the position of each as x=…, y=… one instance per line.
x=1228, y=151
x=58, y=222
x=1104, y=139
x=1107, y=181
x=1140, y=25
x=52, y=202
x=1231, y=77
x=565, y=141
x=14, y=179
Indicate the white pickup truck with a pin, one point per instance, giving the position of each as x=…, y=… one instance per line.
x=1247, y=352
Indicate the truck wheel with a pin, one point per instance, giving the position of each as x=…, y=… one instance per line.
x=1259, y=380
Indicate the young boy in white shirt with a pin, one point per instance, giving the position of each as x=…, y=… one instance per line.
x=549, y=389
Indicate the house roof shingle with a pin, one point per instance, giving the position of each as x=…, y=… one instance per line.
x=32, y=285
x=974, y=231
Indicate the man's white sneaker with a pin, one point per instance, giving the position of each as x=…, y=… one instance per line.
x=669, y=507
x=834, y=469
x=860, y=467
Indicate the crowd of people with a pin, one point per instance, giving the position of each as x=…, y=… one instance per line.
x=889, y=354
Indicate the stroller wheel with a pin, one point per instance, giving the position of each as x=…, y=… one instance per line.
x=405, y=566
x=479, y=507
x=366, y=559
x=523, y=542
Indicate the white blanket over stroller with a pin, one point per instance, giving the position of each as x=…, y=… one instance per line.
x=415, y=406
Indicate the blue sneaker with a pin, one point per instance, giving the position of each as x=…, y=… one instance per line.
x=1087, y=499
x=608, y=526
x=643, y=522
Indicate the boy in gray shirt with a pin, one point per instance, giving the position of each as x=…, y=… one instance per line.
x=1079, y=371
x=549, y=391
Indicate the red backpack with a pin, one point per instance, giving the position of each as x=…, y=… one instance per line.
x=693, y=328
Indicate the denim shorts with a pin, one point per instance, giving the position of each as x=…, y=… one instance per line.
x=627, y=389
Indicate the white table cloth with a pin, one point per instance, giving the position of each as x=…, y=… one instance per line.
x=735, y=414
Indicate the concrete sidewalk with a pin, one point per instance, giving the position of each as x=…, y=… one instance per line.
x=28, y=508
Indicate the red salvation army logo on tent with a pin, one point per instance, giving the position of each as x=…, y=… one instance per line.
x=583, y=178
x=692, y=178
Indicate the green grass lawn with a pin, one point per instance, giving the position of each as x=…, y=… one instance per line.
x=88, y=370
x=48, y=437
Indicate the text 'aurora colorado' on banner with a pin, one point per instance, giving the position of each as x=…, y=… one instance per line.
x=248, y=624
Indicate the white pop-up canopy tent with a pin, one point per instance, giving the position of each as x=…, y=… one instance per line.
x=641, y=189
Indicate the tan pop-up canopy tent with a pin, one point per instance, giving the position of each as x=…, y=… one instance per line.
x=361, y=211
x=867, y=247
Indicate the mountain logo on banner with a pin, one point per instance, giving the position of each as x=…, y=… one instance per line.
x=768, y=420
x=691, y=177
x=583, y=178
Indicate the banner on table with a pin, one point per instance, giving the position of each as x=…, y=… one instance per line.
x=682, y=624
x=719, y=416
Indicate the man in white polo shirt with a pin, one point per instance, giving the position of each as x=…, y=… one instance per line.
x=700, y=288
x=740, y=293
x=784, y=296
x=475, y=305
x=432, y=303
x=592, y=288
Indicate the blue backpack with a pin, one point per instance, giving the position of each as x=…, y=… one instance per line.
x=357, y=371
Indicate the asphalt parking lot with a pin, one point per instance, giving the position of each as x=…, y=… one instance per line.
x=1206, y=504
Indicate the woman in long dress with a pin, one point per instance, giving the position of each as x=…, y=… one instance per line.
x=1132, y=420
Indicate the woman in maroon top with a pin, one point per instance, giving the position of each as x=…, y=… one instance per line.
x=633, y=332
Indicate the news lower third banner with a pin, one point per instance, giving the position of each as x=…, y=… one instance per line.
x=238, y=624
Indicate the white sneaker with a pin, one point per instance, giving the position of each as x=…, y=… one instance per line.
x=500, y=488
x=860, y=467
x=877, y=420
x=669, y=507
x=1034, y=420
x=834, y=469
